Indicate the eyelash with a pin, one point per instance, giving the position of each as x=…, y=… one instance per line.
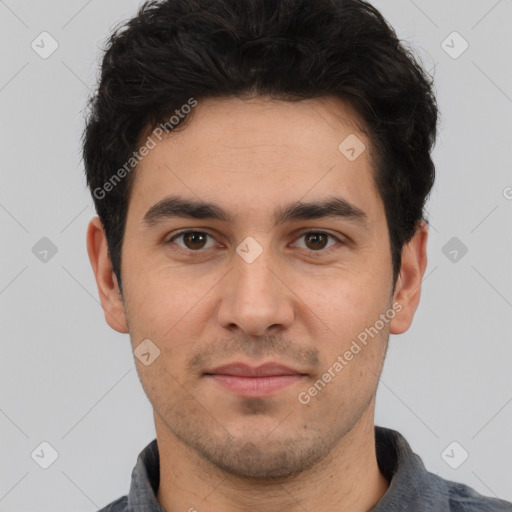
x=190, y=251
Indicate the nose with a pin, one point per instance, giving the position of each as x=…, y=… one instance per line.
x=256, y=296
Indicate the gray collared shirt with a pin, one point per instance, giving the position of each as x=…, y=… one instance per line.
x=412, y=488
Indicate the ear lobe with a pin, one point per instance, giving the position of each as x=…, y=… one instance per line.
x=106, y=281
x=408, y=287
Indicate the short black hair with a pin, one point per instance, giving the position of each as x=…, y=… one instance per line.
x=174, y=52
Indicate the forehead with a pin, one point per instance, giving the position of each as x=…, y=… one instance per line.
x=258, y=153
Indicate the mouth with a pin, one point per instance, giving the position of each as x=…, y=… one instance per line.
x=250, y=381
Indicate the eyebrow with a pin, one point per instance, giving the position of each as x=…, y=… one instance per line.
x=179, y=207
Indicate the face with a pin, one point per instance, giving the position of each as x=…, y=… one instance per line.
x=243, y=283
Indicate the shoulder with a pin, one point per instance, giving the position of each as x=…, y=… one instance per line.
x=119, y=505
x=462, y=498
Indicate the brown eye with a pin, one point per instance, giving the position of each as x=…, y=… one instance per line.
x=316, y=241
x=192, y=240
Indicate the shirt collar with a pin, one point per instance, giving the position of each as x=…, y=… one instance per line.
x=403, y=469
x=145, y=481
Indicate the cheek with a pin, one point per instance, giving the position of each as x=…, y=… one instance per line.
x=344, y=390
x=158, y=301
x=173, y=320
x=351, y=309
x=348, y=300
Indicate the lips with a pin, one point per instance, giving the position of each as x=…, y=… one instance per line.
x=255, y=381
x=244, y=370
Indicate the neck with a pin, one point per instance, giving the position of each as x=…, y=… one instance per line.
x=348, y=479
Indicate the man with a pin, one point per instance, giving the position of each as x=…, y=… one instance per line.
x=260, y=170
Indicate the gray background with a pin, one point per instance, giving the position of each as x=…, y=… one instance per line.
x=68, y=379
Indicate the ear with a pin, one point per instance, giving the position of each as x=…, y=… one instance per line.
x=408, y=287
x=108, y=288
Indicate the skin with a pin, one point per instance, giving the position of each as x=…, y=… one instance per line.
x=300, y=303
